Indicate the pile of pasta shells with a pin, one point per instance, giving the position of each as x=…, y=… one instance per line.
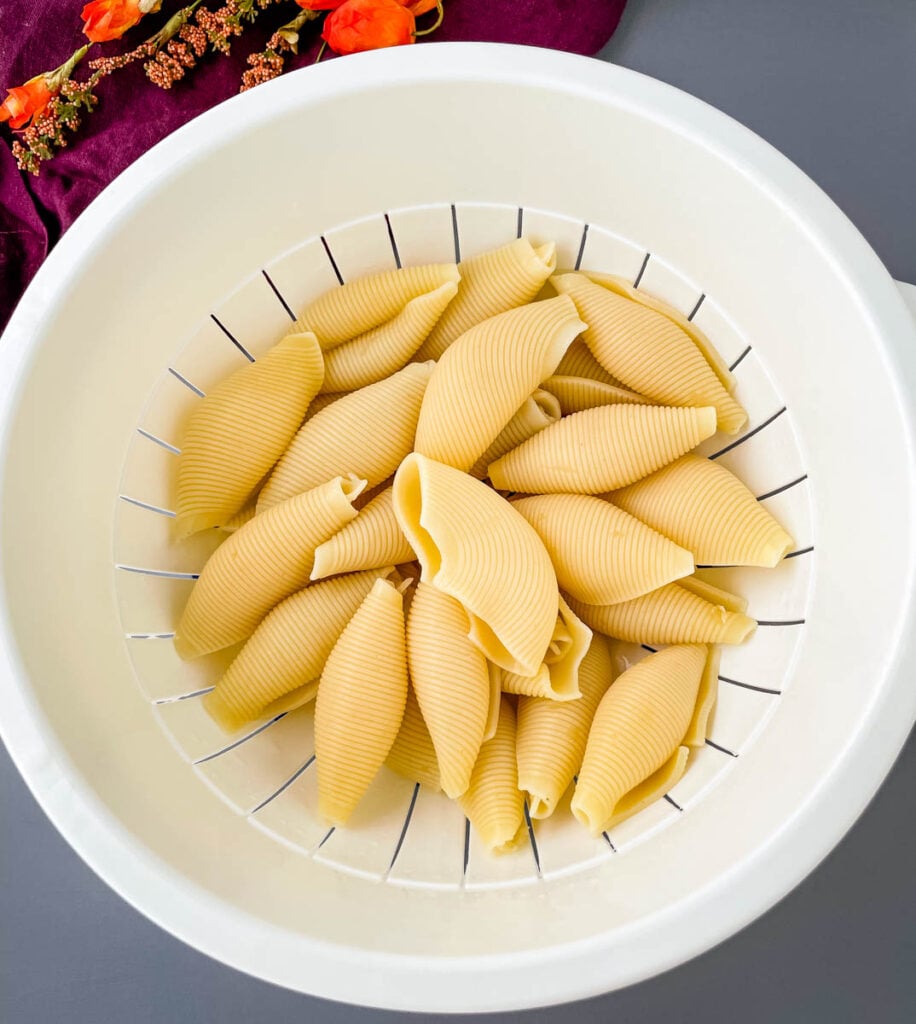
x=444, y=495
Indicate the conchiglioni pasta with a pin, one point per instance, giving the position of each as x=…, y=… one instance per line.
x=670, y=615
x=372, y=539
x=289, y=648
x=651, y=789
x=558, y=676
x=637, y=728
x=552, y=734
x=263, y=562
x=705, y=507
x=601, y=554
x=412, y=754
x=578, y=361
x=474, y=546
x=614, y=442
x=510, y=354
x=243, y=516
x=360, y=702
x=493, y=802
x=706, y=701
x=576, y=394
x=344, y=313
x=386, y=348
x=538, y=411
x=240, y=429
x=491, y=283
x=452, y=682
x=367, y=432
x=647, y=351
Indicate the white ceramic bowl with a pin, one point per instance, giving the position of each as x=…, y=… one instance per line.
x=455, y=143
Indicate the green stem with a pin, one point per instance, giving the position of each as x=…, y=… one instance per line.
x=432, y=28
x=56, y=78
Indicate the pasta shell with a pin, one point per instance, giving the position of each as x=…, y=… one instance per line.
x=538, y=411
x=289, y=648
x=386, y=348
x=361, y=701
x=413, y=755
x=578, y=361
x=706, y=701
x=451, y=681
x=638, y=726
x=344, y=313
x=614, y=442
x=475, y=547
x=263, y=562
x=491, y=283
x=493, y=802
x=243, y=516
x=654, y=788
x=600, y=554
x=576, y=394
x=552, y=734
x=647, y=351
x=558, y=676
x=372, y=539
x=367, y=432
x=703, y=506
x=670, y=615
x=485, y=375
x=240, y=429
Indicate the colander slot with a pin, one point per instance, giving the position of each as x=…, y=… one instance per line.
x=607, y=839
x=801, y=551
x=455, y=237
x=721, y=749
x=780, y=622
x=280, y=298
x=467, y=849
x=243, y=739
x=674, y=803
x=781, y=490
x=394, y=244
x=696, y=308
x=520, y=223
x=232, y=337
x=406, y=826
x=147, y=506
x=181, y=696
x=750, y=433
x=327, y=836
x=749, y=686
x=152, y=636
x=581, y=251
x=158, y=440
x=333, y=262
x=187, y=383
x=740, y=359
x=165, y=574
x=642, y=269
x=285, y=785
x=531, y=839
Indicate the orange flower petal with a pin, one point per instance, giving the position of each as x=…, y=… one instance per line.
x=25, y=102
x=110, y=19
x=359, y=25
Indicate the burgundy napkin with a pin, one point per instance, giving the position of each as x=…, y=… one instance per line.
x=133, y=114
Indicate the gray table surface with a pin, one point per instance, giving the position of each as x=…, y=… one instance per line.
x=831, y=83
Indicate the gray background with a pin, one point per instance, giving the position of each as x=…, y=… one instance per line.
x=831, y=83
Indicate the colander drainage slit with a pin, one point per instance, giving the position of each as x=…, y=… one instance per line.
x=285, y=785
x=241, y=740
x=160, y=573
x=158, y=440
x=520, y=221
x=738, y=361
x=232, y=337
x=150, y=636
x=780, y=622
x=582, y=242
x=749, y=434
x=404, y=827
x=334, y=266
x=531, y=839
x=696, y=308
x=280, y=298
x=749, y=686
x=607, y=839
x=674, y=803
x=642, y=269
x=327, y=836
x=455, y=234
x=146, y=505
x=394, y=244
x=467, y=849
x=187, y=383
x=801, y=551
x=651, y=650
x=723, y=750
x=781, y=490
x=184, y=696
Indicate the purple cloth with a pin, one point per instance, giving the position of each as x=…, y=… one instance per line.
x=133, y=114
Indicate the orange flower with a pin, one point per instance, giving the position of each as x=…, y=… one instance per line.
x=359, y=25
x=110, y=19
x=26, y=101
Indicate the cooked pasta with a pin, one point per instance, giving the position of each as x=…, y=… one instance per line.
x=601, y=554
x=491, y=283
x=578, y=361
x=412, y=754
x=638, y=726
x=243, y=516
x=367, y=432
x=386, y=348
x=652, y=789
x=345, y=313
x=614, y=442
x=493, y=802
x=706, y=701
x=452, y=682
x=475, y=547
x=240, y=429
x=288, y=649
x=670, y=615
x=510, y=354
x=263, y=562
x=552, y=734
x=372, y=539
x=538, y=411
x=576, y=394
x=558, y=676
x=360, y=702
x=705, y=507
x=647, y=351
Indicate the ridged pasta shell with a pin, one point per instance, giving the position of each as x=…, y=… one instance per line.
x=289, y=648
x=367, y=432
x=552, y=734
x=413, y=755
x=240, y=429
x=578, y=361
x=372, y=539
x=706, y=701
x=264, y=561
x=638, y=726
x=491, y=283
x=485, y=375
x=647, y=351
x=622, y=443
x=558, y=676
x=706, y=508
x=475, y=547
x=601, y=554
x=576, y=394
x=652, y=789
x=538, y=411
x=361, y=701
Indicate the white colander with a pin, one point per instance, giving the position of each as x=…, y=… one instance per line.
x=194, y=261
